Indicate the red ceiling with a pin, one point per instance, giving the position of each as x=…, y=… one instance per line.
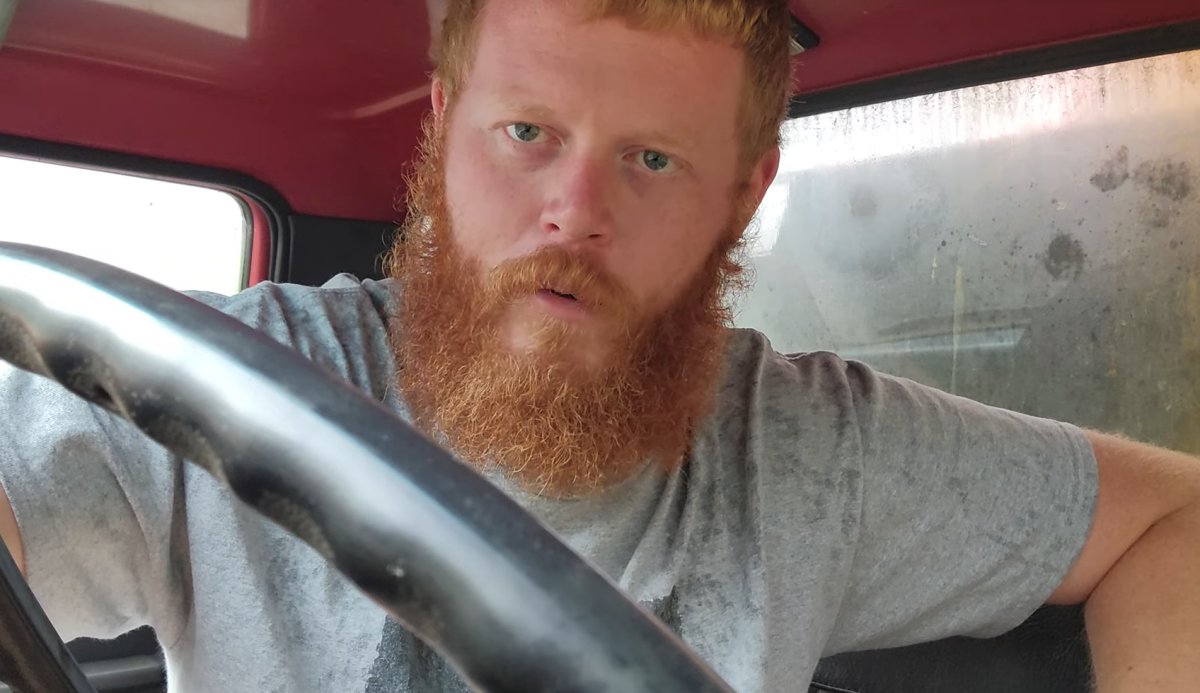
x=323, y=99
x=868, y=39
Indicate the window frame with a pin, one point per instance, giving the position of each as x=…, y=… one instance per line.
x=1073, y=55
x=265, y=210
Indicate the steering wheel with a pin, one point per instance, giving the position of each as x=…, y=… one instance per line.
x=454, y=559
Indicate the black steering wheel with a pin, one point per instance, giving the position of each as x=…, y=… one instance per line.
x=454, y=559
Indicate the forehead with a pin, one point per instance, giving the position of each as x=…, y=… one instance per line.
x=548, y=51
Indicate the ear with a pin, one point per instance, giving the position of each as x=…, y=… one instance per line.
x=763, y=174
x=437, y=97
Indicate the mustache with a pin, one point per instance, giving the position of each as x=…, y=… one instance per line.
x=559, y=270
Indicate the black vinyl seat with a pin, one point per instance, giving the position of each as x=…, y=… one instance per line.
x=1047, y=654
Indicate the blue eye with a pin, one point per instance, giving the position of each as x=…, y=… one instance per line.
x=655, y=161
x=523, y=132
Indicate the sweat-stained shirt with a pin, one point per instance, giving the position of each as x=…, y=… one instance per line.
x=822, y=508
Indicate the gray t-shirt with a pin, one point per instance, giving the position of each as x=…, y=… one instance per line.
x=823, y=508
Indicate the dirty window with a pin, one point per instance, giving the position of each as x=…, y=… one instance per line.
x=1033, y=244
x=184, y=236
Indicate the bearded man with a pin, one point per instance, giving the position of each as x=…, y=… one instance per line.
x=558, y=316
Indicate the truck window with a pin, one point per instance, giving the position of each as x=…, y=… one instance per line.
x=1033, y=244
x=184, y=236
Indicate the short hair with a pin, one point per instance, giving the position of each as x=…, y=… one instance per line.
x=760, y=27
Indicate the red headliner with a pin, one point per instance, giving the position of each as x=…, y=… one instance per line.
x=868, y=39
x=324, y=99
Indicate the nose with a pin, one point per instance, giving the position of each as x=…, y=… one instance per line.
x=578, y=208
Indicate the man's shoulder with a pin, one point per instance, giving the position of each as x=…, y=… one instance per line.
x=342, y=325
x=751, y=360
x=779, y=399
x=293, y=313
x=341, y=291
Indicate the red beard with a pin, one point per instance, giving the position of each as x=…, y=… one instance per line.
x=553, y=423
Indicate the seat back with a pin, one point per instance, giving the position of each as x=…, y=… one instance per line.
x=1046, y=654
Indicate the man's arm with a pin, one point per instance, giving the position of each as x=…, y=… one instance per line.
x=9, y=531
x=1139, y=571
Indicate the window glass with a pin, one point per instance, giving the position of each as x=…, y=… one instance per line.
x=1033, y=244
x=229, y=17
x=184, y=236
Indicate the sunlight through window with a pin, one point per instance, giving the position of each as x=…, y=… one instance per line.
x=183, y=236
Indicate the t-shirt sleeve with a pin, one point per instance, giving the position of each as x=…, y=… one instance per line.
x=970, y=515
x=102, y=508
x=98, y=511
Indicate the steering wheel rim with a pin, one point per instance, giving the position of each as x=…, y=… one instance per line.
x=459, y=563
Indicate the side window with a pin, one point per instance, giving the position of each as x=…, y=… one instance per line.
x=184, y=236
x=1032, y=244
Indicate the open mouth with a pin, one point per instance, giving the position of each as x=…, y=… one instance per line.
x=563, y=304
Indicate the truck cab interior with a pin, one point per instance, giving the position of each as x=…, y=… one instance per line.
x=1001, y=200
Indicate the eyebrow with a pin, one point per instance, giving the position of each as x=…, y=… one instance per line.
x=671, y=141
x=524, y=108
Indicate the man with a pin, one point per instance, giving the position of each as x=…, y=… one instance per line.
x=557, y=318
